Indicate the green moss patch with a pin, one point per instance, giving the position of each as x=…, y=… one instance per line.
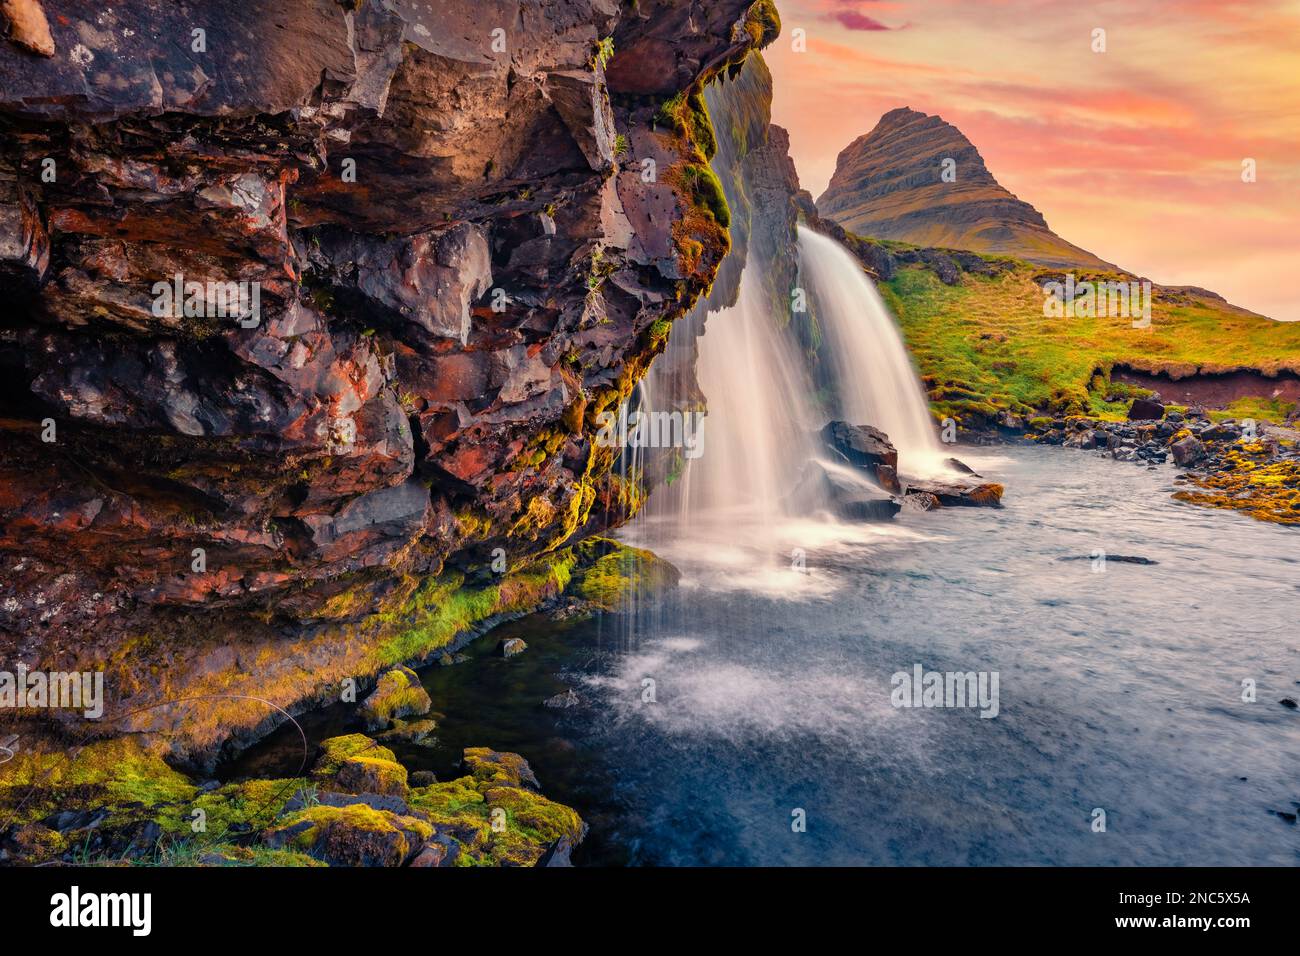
x=612, y=575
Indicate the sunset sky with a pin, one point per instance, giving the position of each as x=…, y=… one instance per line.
x=1134, y=154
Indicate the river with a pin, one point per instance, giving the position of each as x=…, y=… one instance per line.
x=1120, y=687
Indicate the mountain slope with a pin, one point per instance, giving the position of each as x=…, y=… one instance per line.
x=888, y=184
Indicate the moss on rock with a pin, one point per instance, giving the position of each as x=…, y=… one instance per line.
x=398, y=694
x=356, y=764
x=613, y=575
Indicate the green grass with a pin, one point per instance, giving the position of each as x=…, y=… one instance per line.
x=984, y=345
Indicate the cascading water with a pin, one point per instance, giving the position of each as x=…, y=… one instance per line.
x=761, y=424
x=874, y=382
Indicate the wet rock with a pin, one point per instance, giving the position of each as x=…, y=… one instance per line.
x=571, y=609
x=497, y=768
x=559, y=853
x=960, y=466
x=356, y=764
x=888, y=479
x=851, y=498
x=511, y=647
x=1187, y=451
x=958, y=494
x=563, y=701
x=860, y=445
x=921, y=501
x=423, y=778
x=1289, y=703
x=614, y=577
x=398, y=694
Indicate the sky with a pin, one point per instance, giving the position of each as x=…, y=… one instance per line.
x=1134, y=153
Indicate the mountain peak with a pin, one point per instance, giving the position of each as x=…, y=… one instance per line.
x=890, y=184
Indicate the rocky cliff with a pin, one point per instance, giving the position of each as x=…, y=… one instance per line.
x=758, y=179
x=311, y=311
x=917, y=179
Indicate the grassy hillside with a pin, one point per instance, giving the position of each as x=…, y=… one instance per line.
x=983, y=345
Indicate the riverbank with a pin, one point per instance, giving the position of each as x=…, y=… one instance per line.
x=1251, y=466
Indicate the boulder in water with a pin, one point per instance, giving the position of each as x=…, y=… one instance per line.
x=864, y=447
x=512, y=646
x=612, y=576
x=398, y=694
x=847, y=499
x=954, y=493
x=563, y=701
x=957, y=464
x=860, y=445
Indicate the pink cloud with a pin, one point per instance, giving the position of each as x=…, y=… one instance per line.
x=852, y=20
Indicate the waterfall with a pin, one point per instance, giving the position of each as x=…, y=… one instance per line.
x=761, y=424
x=755, y=486
x=873, y=381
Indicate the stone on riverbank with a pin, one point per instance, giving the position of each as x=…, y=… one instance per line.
x=1187, y=451
x=356, y=764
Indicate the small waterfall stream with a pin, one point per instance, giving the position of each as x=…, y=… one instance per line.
x=874, y=381
x=751, y=506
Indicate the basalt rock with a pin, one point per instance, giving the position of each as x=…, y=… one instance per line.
x=951, y=494
x=846, y=499
x=312, y=302
x=1187, y=451
x=1145, y=409
x=860, y=445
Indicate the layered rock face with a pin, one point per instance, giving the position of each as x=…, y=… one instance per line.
x=307, y=303
x=758, y=177
x=890, y=184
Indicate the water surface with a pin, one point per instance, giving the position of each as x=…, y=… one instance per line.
x=1119, y=689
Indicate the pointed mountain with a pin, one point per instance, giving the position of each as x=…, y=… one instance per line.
x=888, y=184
